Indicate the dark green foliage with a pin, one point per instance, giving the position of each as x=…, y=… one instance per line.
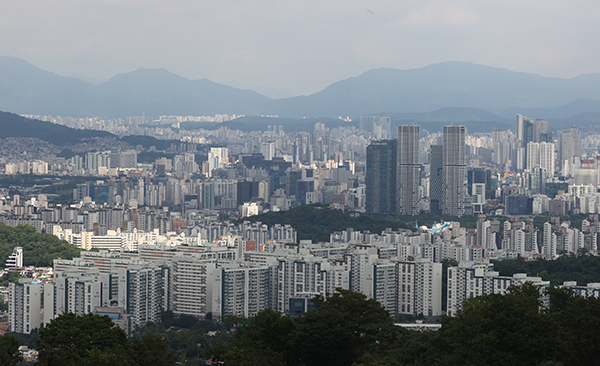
x=348, y=329
x=316, y=222
x=94, y=340
x=9, y=277
x=70, y=340
x=501, y=330
x=9, y=350
x=584, y=269
x=30, y=340
x=151, y=350
x=38, y=249
x=189, y=342
x=345, y=327
x=263, y=341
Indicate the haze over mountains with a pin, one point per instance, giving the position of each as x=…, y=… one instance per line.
x=445, y=92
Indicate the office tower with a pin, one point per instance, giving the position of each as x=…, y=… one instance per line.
x=407, y=174
x=453, y=170
x=436, y=181
x=24, y=306
x=380, y=126
x=570, y=146
x=547, y=158
x=529, y=130
x=218, y=157
x=381, y=177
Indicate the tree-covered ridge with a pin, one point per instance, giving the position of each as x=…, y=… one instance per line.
x=39, y=250
x=316, y=222
x=583, y=268
x=13, y=125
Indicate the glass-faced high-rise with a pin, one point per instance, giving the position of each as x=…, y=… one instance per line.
x=381, y=177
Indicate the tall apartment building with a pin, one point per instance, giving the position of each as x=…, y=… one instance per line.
x=241, y=290
x=82, y=285
x=453, y=170
x=570, y=147
x=471, y=279
x=408, y=170
x=436, y=180
x=381, y=177
x=24, y=306
x=529, y=130
x=191, y=285
x=300, y=275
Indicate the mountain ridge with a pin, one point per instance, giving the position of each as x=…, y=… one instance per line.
x=26, y=89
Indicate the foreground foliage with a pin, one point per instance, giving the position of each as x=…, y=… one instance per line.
x=348, y=329
x=94, y=340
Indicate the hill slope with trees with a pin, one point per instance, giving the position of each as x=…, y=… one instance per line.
x=38, y=249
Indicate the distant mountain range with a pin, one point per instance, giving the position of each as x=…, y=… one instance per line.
x=454, y=91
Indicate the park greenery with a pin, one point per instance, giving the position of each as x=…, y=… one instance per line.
x=39, y=250
x=317, y=221
x=583, y=268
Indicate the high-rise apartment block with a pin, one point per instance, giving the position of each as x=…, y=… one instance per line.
x=408, y=170
x=24, y=302
x=381, y=177
x=436, y=183
x=453, y=170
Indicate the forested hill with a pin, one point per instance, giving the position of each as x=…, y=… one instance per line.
x=13, y=125
x=584, y=269
x=316, y=222
x=39, y=250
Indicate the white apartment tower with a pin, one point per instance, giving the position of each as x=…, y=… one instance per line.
x=24, y=306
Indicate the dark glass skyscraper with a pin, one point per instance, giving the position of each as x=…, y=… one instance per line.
x=381, y=177
x=436, y=181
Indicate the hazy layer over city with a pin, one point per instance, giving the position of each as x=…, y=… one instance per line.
x=282, y=49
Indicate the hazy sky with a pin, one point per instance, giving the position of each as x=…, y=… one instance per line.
x=299, y=46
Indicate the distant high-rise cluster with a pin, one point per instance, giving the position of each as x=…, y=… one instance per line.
x=403, y=171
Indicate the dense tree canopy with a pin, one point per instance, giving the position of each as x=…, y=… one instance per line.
x=517, y=328
x=9, y=350
x=316, y=222
x=94, y=340
x=584, y=268
x=38, y=249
